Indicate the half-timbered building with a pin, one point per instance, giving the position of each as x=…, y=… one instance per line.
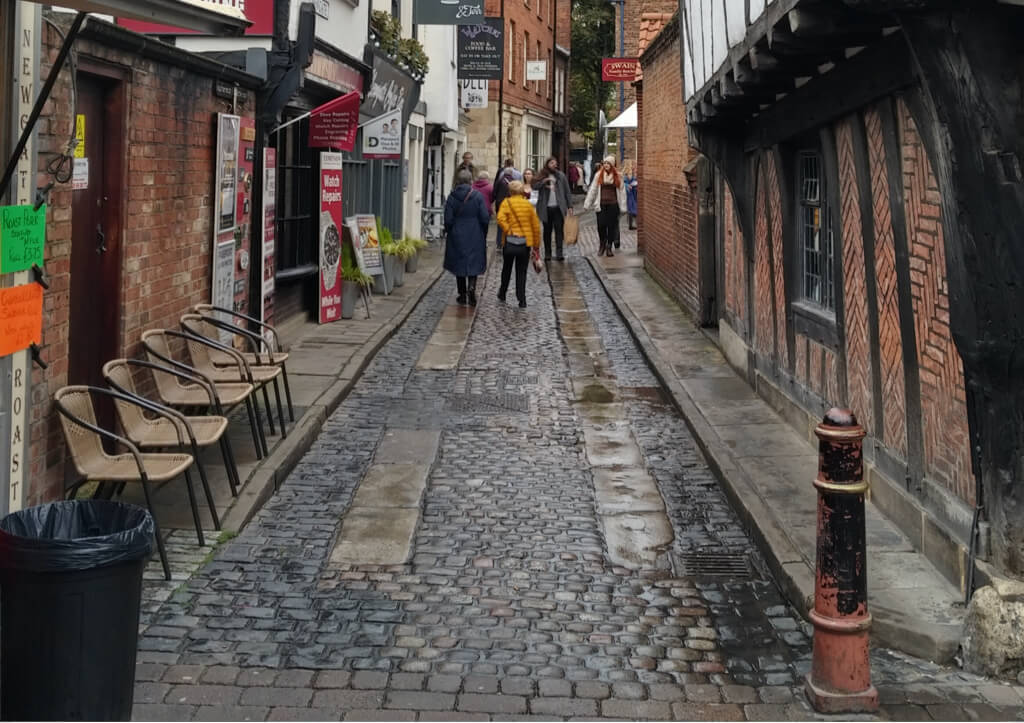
x=866, y=251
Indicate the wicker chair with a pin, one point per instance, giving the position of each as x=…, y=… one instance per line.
x=266, y=347
x=200, y=350
x=85, y=445
x=160, y=432
x=182, y=387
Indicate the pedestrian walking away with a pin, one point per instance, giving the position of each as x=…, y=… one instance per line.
x=519, y=221
x=554, y=203
x=607, y=196
x=629, y=179
x=466, y=216
x=505, y=176
x=482, y=184
x=574, y=176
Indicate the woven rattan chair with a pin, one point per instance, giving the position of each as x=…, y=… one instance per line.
x=182, y=387
x=200, y=348
x=266, y=346
x=93, y=463
x=161, y=433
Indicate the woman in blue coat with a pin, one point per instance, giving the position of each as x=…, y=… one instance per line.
x=465, y=222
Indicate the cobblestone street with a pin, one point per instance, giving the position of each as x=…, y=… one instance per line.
x=512, y=602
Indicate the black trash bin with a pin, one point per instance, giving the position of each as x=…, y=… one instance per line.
x=70, y=590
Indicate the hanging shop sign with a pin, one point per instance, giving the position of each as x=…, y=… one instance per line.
x=536, y=70
x=391, y=88
x=619, y=69
x=382, y=136
x=447, y=12
x=473, y=94
x=330, y=236
x=481, y=51
x=258, y=12
x=335, y=123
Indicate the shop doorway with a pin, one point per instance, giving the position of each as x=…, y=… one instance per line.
x=94, y=335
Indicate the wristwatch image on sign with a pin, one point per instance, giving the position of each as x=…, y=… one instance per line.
x=330, y=250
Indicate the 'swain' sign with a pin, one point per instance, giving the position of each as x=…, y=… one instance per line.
x=619, y=69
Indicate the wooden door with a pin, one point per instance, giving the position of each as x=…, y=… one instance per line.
x=95, y=315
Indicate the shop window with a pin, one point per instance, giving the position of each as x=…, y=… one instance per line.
x=536, y=148
x=297, y=195
x=816, y=237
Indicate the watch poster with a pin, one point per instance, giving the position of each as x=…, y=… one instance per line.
x=330, y=236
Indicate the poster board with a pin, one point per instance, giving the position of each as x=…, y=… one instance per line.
x=330, y=236
x=268, y=236
x=369, y=244
x=225, y=200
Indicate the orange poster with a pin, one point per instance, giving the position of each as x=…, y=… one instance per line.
x=21, y=317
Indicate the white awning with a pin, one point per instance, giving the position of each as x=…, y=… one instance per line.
x=625, y=119
x=201, y=15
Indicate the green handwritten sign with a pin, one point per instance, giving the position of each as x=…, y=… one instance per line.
x=22, y=235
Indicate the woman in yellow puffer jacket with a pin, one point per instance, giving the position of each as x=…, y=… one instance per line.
x=518, y=219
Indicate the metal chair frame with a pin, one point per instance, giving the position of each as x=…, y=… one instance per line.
x=229, y=460
x=275, y=348
x=184, y=371
x=245, y=370
x=137, y=455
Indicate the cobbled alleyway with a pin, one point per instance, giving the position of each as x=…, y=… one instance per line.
x=508, y=605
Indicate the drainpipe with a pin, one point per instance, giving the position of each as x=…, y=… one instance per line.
x=501, y=95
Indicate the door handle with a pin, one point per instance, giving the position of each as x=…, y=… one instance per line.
x=101, y=238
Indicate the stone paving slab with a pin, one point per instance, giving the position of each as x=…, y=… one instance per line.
x=510, y=606
x=768, y=468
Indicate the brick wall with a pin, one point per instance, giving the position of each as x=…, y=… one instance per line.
x=735, y=255
x=890, y=340
x=166, y=219
x=855, y=303
x=534, y=19
x=667, y=202
x=943, y=397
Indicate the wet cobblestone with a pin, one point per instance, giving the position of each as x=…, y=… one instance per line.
x=507, y=606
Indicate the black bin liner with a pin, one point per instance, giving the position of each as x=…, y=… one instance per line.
x=70, y=593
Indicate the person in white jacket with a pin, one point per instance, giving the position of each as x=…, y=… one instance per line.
x=607, y=196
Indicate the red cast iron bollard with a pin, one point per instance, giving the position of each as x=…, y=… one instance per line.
x=840, y=677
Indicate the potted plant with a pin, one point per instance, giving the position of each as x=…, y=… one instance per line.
x=353, y=282
x=394, y=260
x=416, y=244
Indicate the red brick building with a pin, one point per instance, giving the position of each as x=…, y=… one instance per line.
x=534, y=113
x=150, y=119
x=823, y=233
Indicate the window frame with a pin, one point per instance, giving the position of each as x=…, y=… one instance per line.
x=811, y=317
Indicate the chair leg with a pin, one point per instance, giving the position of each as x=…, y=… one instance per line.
x=280, y=410
x=206, y=487
x=288, y=393
x=195, y=508
x=229, y=464
x=255, y=429
x=259, y=422
x=156, y=531
x=270, y=410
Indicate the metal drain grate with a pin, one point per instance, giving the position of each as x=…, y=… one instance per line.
x=488, y=403
x=717, y=564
